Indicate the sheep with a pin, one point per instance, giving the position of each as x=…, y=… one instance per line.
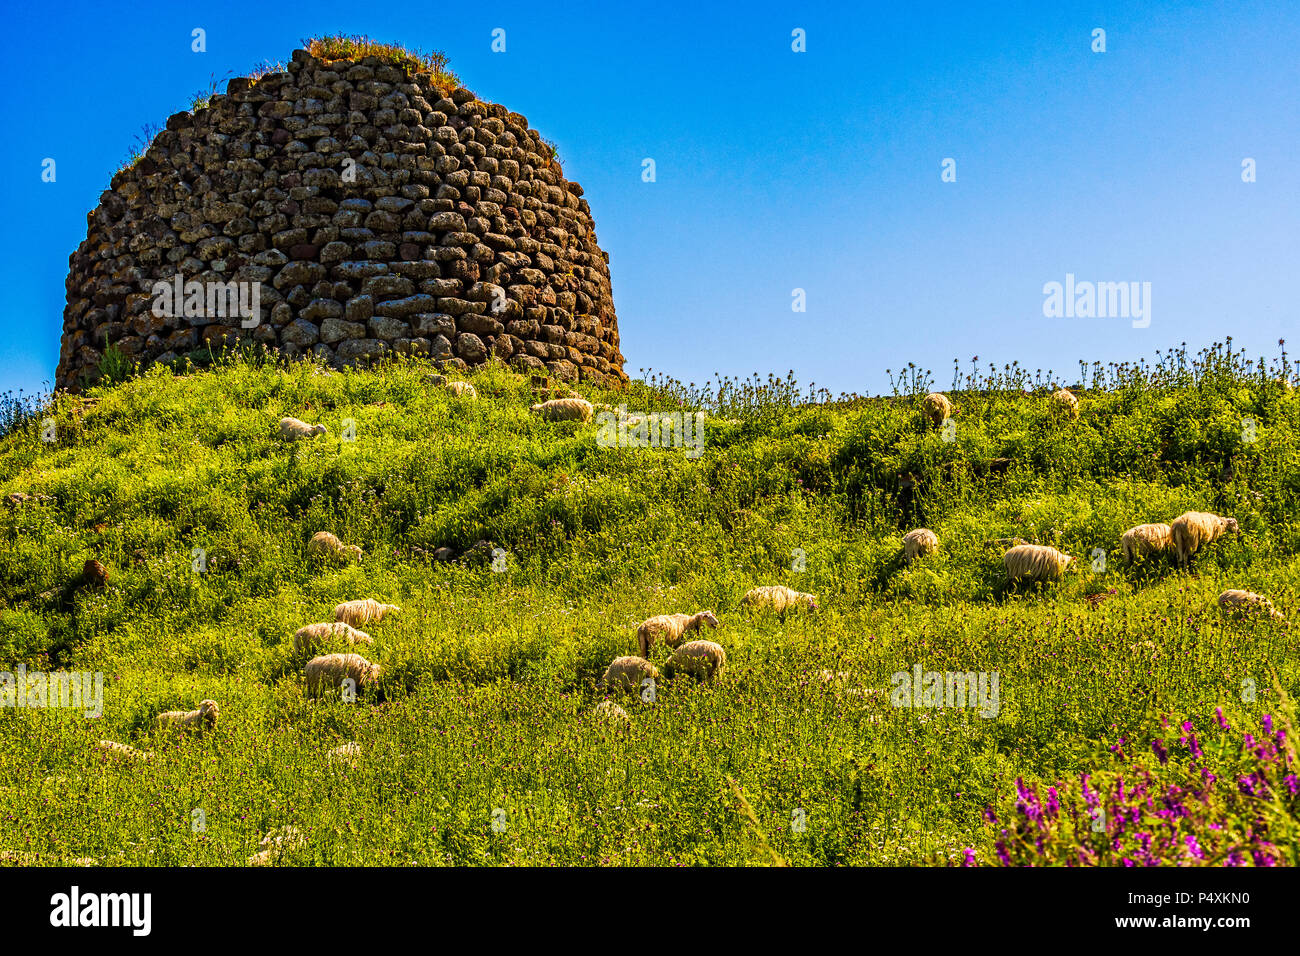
x=626, y=674
x=610, y=711
x=918, y=543
x=703, y=660
x=327, y=545
x=564, y=410
x=271, y=846
x=1035, y=562
x=1145, y=540
x=778, y=597
x=671, y=629
x=329, y=671
x=1194, y=528
x=312, y=636
x=363, y=611
x=462, y=389
x=1240, y=604
x=121, y=753
x=1064, y=403
x=189, y=721
x=291, y=429
x=937, y=408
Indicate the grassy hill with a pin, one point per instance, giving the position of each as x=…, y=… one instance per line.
x=490, y=675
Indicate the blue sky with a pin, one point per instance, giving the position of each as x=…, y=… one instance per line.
x=779, y=170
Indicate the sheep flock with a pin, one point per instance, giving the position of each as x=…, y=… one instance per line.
x=330, y=667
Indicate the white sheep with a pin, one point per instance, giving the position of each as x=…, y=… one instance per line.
x=328, y=672
x=564, y=410
x=626, y=674
x=671, y=629
x=1035, y=562
x=1194, y=528
x=327, y=545
x=1064, y=403
x=274, y=844
x=778, y=597
x=1240, y=604
x=189, y=721
x=937, y=408
x=610, y=711
x=918, y=543
x=291, y=429
x=462, y=389
x=1145, y=540
x=704, y=660
x=122, y=753
x=363, y=611
x=313, y=636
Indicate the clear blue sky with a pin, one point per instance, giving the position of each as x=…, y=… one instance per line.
x=778, y=170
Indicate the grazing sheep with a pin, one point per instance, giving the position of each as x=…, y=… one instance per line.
x=937, y=408
x=1194, y=528
x=274, y=844
x=610, y=711
x=703, y=660
x=327, y=545
x=314, y=636
x=462, y=389
x=189, y=721
x=1241, y=604
x=919, y=543
x=627, y=673
x=121, y=753
x=1064, y=403
x=564, y=410
x=1145, y=540
x=363, y=611
x=327, y=673
x=1035, y=562
x=291, y=429
x=671, y=629
x=778, y=597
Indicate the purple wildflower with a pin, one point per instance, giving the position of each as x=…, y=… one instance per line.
x=1158, y=748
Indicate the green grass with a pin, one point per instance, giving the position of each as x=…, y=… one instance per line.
x=341, y=46
x=491, y=677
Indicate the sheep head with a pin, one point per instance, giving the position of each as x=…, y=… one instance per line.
x=208, y=712
x=707, y=617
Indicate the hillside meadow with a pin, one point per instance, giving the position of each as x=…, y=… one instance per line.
x=481, y=747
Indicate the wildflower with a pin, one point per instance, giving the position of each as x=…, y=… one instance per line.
x=1158, y=748
x=1218, y=715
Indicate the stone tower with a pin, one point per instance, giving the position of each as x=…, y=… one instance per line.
x=347, y=208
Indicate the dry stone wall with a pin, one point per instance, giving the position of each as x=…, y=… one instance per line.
x=374, y=211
